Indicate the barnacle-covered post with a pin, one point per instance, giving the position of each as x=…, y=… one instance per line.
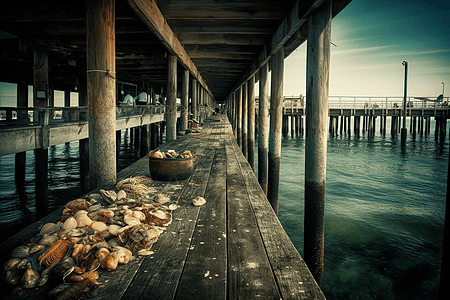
x=171, y=116
x=276, y=117
x=263, y=134
x=101, y=86
x=317, y=84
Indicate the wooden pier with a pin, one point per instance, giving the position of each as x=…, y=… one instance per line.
x=233, y=247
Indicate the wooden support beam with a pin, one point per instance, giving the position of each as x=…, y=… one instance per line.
x=41, y=99
x=239, y=117
x=101, y=86
x=317, y=85
x=263, y=130
x=171, y=115
x=194, y=99
x=184, y=101
x=244, y=119
x=276, y=116
x=150, y=14
x=251, y=122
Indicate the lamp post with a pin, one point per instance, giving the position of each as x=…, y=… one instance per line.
x=443, y=89
x=404, y=130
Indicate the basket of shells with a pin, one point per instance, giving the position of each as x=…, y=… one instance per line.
x=170, y=165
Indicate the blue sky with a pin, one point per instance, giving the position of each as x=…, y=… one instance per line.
x=373, y=38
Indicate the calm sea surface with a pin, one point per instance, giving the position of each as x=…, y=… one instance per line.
x=384, y=209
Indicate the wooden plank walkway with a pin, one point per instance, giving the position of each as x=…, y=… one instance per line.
x=233, y=247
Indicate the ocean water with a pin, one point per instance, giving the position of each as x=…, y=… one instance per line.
x=384, y=209
x=384, y=214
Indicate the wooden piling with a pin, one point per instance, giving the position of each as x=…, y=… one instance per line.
x=20, y=157
x=40, y=99
x=239, y=117
x=349, y=131
x=251, y=122
x=118, y=143
x=137, y=143
x=443, y=130
x=317, y=85
x=276, y=116
x=101, y=80
x=194, y=99
x=263, y=137
x=357, y=125
x=244, y=119
x=437, y=128
x=414, y=125
x=184, y=101
x=145, y=141
x=171, y=115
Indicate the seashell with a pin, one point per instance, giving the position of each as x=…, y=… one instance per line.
x=160, y=214
x=36, y=248
x=102, y=253
x=198, y=201
x=113, y=243
x=59, y=288
x=70, y=223
x=46, y=227
x=99, y=226
x=187, y=154
x=173, y=206
x=105, y=212
x=49, y=240
x=145, y=252
x=95, y=207
x=155, y=154
x=30, y=278
x=139, y=215
x=113, y=229
x=77, y=249
x=75, y=205
x=129, y=219
x=121, y=194
x=79, y=270
x=161, y=199
x=13, y=276
x=11, y=264
x=58, y=226
x=55, y=253
x=111, y=261
x=123, y=253
x=20, y=252
x=82, y=219
x=23, y=264
x=109, y=196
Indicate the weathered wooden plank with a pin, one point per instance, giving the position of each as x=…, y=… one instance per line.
x=293, y=276
x=223, y=26
x=249, y=275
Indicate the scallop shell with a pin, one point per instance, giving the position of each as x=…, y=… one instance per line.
x=105, y=212
x=99, y=226
x=46, y=227
x=198, y=201
x=20, y=252
x=161, y=199
x=139, y=215
x=70, y=223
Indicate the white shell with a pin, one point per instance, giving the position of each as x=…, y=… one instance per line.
x=121, y=194
x=198, y=201
x=139, y=215
x=145, y=252
x=105, y=212
x=82, y=219
x=99, y=226
x=173, y=206
x=49, y=240
x=70, y=223
x=161, y=199
x=130, y=220
x=47, y=227
x=113, y=229
x=160, y=214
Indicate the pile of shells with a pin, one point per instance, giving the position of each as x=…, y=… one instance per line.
x=170, y=154
x=101, y=231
